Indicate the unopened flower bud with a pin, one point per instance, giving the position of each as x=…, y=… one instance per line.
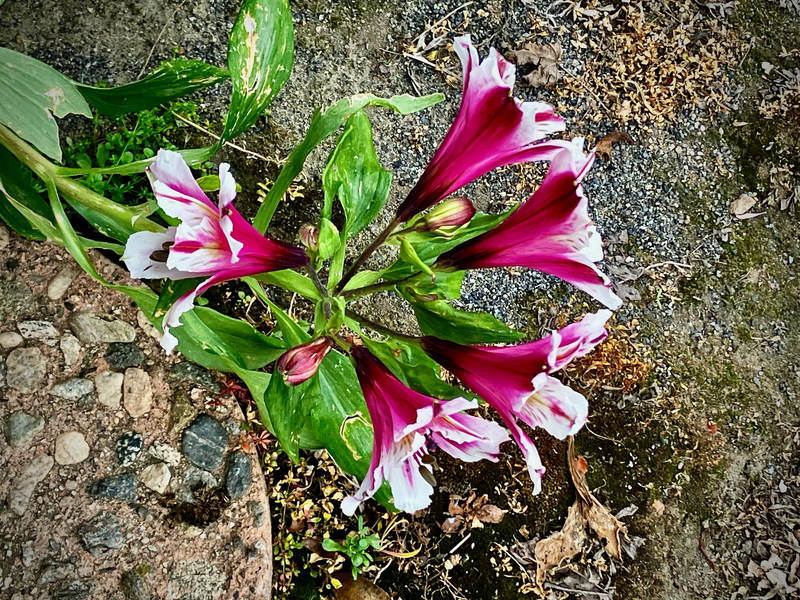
x=309, y=237
x=454, y=212
x=301, y=362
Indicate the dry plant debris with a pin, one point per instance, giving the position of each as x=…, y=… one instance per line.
x=652, y=60
x=740, y=208
x=472, y=511
x=545, y=57
x=606, y=144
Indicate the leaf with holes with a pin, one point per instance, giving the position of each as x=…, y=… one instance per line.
x=260, y=56
x=31, y=94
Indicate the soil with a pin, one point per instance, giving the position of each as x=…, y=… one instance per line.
x=694, y=415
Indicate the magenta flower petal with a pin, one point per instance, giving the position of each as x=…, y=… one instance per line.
x=550, y=232
x=300, y=363
x=514, y=380
x=403, y=421
x=491, y=129
x=214, y=241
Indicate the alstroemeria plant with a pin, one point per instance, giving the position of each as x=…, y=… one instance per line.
x=372, y=396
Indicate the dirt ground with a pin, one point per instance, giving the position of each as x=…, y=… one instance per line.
x=694, y=415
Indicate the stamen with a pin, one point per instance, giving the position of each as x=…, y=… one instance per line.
x=427, y=476
x=167, y=245
x=159, y=256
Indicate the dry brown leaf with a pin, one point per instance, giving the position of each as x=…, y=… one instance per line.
x=452, y=524
x=357, y=589
x=474, y=510
x=489, y=513
x=587, y=511
x=546, y=57
x=741, y=206
x=606, y=144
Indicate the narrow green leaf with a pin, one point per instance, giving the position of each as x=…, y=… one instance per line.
x=192, y=156
x=292, y=281
x=323, y=124
x=449, y=323
x=31, y=94
x=292, y=332
x=169, y=81
x=106, y=225
x=355, y=175
x=260, y=57
x=20, y=188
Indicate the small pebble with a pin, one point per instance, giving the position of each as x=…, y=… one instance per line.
x=10, y=339
x=26, y=369
x=137, y=393
x=129, y=445
x=109, y=388
x=204, y=443
x=20, y=428
x=71, y=448
x=156, y=477
x=73, y=389
x=58, y=285
x=71, y=348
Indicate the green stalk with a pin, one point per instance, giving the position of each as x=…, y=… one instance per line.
x=377, y=287
x=47, y=171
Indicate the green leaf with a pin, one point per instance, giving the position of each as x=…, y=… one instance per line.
x=323, y=124
x=210, y=183
x=292, y=281
x=409, y=255
x=414, y=368
x=108, y=226
x=342, y=420
x=31, y=94
x=355, y=175
x=192, y=156
x=329, y=239
x=169, y=81
x=289, y=407
x=446, y=287
x=258, y=384
x=444, y=321
x=20, y=188
x=260, y=57
x=223, y=343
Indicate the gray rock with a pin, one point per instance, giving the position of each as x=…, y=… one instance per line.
x=71, y=448
x=238, y=475
x=2, y=372
x=21, y=493
x=16, y=300
x=102, y=534
x=39, y=330
x=133, y=586
x=58, y=285
x=53, y=571
x=71, y=348
x=204, y=443
x=10, y=339
x=256, y=510
x=109, y=388
x=191, y=372
x=26, y=370
x=28, y=553
x=73, y=389
x=5, y=237
x=196, y=580
x=129, y=445
x=233, y=427
x=165, y=453
x=181, y=411
x=137, y=392
x=77, y=589
x=117, y=487
x=92, y=328
x=124, y=356
x=21, y=428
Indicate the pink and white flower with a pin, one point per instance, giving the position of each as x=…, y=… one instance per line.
x=211, y=240
x=492, y=129
x=550, y=232
x=516, y=380
x=406, y=423
x=299, y=364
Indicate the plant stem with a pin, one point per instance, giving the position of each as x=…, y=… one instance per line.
x=46, y=170
x=362, y=258
x=312, y=272
x=377, y=287
x=383, y=330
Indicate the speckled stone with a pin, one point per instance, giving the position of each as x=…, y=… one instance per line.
x=93, y=328
x=102, y=534
x=117, y=487
x=26, y=369
x=20, y=428
x=129, y=445
x=204, y=443
x=238, y=474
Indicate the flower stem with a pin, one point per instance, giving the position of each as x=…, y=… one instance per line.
x=377, y=287
x=383, y=330
x=314, y=275
x=362, y=258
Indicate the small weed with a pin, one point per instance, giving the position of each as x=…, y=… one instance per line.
x=356, y=546
x=123, y=141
